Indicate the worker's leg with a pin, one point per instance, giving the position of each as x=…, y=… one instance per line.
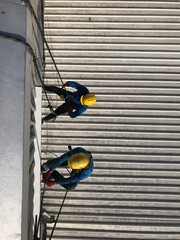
x=64, y=108
x=54, y=89
x=70, y=186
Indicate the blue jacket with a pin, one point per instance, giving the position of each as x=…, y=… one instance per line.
x=75, y=102
x=63, y=161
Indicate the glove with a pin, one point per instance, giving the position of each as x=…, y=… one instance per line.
x=46, y=176
x=50, y=183
x=47, y=180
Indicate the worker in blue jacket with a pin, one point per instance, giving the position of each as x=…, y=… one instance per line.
x=75, y=102
x=79, y=160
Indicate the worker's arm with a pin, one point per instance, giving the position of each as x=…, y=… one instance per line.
x=58, y=161
x=78, y=86
x=77, y=112
x=76, y=178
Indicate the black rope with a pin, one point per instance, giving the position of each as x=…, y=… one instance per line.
x=44, y=189
x=41, y=29
x=45, y=41
x=49, y=104
x=61, y=203
x=35, y=229
x=54, y=63
x=58, y=215
x=41, y=204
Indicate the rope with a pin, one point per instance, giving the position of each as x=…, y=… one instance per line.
x=41, y=203
x=44, y=188
x=41, y=29
x=46, y=152
x=61, y=203
x=28, y=3
x=58, y=215
x=54, y=63
x=49, y=104
x=42, y=198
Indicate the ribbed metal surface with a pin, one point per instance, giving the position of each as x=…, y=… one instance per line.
x=127, y=53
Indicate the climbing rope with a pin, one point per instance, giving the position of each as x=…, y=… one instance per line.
x=58, y=215
x=28, y=3
x=42, y=199
x=62, y=204
x=41, y=29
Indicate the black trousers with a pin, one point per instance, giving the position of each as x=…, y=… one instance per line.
x=54, y=89
x=61, y=109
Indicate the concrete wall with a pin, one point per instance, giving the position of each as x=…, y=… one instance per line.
x=16, y=82
x=12, y=84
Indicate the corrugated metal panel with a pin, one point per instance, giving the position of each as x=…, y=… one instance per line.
x=127, y=52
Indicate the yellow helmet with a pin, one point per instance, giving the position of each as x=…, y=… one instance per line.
x=88, y=99
x=78, y=161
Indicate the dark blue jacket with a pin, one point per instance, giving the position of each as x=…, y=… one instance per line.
x=63, y=161
x=75, y=102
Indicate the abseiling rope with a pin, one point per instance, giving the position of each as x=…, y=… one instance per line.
x=28, y=3
x=58, y=215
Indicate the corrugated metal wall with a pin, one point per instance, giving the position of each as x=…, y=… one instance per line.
x=127, y=53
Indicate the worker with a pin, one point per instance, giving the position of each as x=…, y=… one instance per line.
x=80, y=162
x=75, y=102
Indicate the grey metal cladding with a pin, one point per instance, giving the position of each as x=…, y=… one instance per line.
x=127, y=53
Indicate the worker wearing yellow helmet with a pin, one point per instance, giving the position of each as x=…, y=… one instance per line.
x=78, y=160
x=75, y=102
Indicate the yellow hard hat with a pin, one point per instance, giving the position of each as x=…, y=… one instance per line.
x=78, y=161
x=88, y=99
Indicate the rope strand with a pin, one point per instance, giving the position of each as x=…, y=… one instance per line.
x=58, y=215
x=44, y=39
